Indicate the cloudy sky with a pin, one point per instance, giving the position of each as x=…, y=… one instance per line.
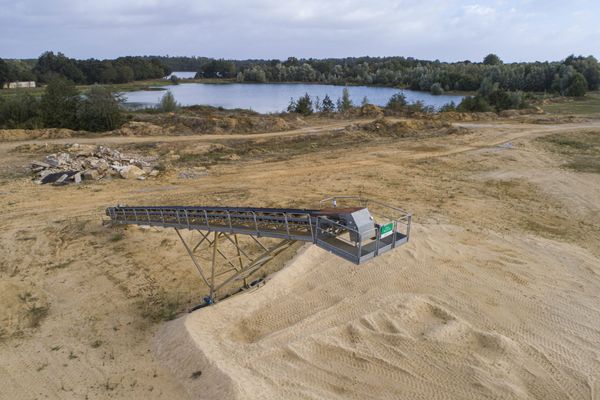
x=448, y=30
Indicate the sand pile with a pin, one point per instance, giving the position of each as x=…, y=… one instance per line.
x=452, y=315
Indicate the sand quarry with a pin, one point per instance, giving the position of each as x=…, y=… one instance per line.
x=497, y=296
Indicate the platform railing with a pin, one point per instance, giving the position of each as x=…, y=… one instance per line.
x=385, y=213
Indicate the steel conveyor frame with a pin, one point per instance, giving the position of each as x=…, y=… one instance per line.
x=325, y=227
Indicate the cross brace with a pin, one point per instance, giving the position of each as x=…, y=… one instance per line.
x=239, y=270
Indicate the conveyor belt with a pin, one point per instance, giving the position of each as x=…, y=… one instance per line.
x=324, y=227
x=350, y=233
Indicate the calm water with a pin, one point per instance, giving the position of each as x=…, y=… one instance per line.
x=274, y=97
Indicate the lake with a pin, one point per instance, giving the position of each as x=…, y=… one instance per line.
x=274, y=97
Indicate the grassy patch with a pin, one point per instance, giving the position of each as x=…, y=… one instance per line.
x=585, y=164
x=588, y=105
x=581, y=150
x=117, y=237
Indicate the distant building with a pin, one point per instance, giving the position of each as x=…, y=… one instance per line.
x=19, y=85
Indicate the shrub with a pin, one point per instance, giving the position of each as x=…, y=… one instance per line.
x=437, y=89
x=474, y=104
x=577, y=85
x=168, y=103
x=397, y=102
x=58, y=107
x=100, y=110
x=448, y=107
x=19, y=111
x=327, y=105
x=345, y=104
x=303, y=106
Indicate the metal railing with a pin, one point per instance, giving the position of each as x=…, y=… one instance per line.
x=327, y=231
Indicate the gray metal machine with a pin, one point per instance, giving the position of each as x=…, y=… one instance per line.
x=351, y=232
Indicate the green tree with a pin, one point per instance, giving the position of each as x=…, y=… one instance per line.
x=397, y=102
x=577, y=85
x=474, y=104
x=303, y=106
x=437, y=89
x=492, y=59
x=168, y=103
x=327, y=105
x=19, y=111
x=345, y=103
x=58, y=106
x=100, y=110
x=364, y=102
x=448, y=107
x=4, y=71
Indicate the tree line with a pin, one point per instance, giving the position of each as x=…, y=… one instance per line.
x=566, y=77
x=91, y=71
x=62, y=106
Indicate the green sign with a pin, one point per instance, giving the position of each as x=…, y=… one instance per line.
x=386, y=230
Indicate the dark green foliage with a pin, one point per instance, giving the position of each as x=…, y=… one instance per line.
x=577, y=85
x=19, y=111
x=58, y=107
x=327, y=105
x=437, y=89
x=174, y=80
x=120, y=70
x=50, y=66
x=168, y=103
x=474, y=104
x=419, y=107
x=492, y=59
x=399, y=71
x=345, y=103
x=217, y=69
x=4, y=72
x=397, y=102
x=303, y=106
x=448, y=107
x=588, y=67
x=99, y=111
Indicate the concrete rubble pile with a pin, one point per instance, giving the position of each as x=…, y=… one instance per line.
x=87, y=162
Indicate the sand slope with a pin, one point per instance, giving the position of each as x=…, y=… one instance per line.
x=454, y=314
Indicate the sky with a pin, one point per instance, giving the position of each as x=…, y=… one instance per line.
x=448, y=30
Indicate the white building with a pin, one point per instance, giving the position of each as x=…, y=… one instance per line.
x=19, y=85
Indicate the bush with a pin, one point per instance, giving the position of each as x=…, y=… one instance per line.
x=397, y=102
x=58, y=107
x=474, y=104
x=345, y=104
x=327, y=105
x=419, y=107
x=448, y=107
x=303, y=106
x=19, y=111
x=100, y=111
x=577, y=85
x=437, y=89
x=168, y=103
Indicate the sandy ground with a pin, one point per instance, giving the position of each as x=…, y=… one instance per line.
x=496, y=296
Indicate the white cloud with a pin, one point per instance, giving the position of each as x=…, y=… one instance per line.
x=444, y=29
x=479, y=10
